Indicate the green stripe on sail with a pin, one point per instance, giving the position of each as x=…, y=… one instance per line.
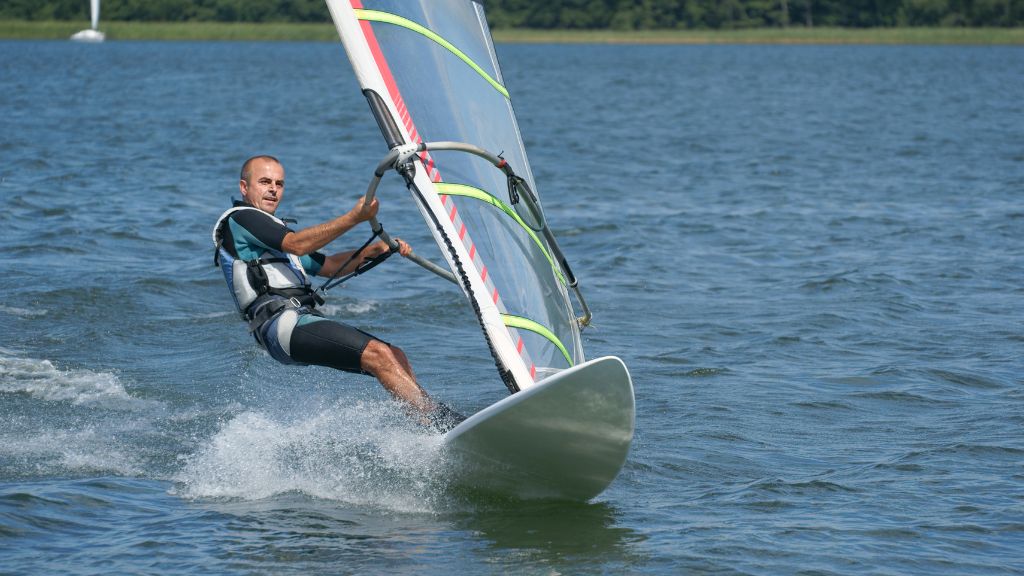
x=448, y=189
x=527, y=324
x=388, y=18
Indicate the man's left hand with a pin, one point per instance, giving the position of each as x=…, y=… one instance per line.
x=403, y=247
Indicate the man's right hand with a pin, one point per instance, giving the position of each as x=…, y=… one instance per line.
x=363, y=211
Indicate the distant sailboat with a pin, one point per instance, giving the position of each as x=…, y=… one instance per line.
x=92, y=34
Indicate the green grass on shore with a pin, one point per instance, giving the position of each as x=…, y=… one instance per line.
x=774, y=36
x=59, y=30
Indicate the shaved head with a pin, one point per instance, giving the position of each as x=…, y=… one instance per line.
x=247, y=166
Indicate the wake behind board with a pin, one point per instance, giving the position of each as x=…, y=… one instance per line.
x=565, y=438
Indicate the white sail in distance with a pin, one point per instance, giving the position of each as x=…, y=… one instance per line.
x=92, y=34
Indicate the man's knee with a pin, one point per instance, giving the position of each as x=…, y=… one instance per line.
x=399, y=355
x=378, y=355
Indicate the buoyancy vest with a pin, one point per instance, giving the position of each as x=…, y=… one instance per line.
x=273, y=272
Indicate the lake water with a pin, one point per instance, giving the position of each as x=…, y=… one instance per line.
x=811, y=258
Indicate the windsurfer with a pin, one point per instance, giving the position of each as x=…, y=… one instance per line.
x=266, y=265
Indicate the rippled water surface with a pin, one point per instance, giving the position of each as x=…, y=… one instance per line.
x=811, y=258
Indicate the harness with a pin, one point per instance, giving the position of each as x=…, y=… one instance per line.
x=275, y=277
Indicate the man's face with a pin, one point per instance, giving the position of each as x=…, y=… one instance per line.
x=265, y=187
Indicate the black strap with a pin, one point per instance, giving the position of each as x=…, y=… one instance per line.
x=364, y=267
x=513, y=182
x=257, y=275
x=258, y=280
x=267, y=307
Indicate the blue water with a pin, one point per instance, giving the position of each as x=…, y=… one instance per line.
x=811, y=258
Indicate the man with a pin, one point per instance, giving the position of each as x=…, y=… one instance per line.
x=266, y=265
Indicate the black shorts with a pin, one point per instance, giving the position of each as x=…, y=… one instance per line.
x=303, y=336
x=331, y=344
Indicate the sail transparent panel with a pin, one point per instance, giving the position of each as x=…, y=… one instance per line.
x=440, y=55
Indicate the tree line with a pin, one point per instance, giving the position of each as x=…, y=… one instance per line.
x=571, y=14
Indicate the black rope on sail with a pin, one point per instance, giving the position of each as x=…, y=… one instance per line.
x=505, y=373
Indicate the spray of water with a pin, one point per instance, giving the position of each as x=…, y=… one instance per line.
x=43, y=380
x=367, y=453
x=67, y=421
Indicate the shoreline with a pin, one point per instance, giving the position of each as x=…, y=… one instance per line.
x=325, y=32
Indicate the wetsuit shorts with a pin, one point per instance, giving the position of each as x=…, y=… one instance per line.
x=302, y=336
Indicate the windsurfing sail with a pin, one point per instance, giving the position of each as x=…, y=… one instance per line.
x=429, y=72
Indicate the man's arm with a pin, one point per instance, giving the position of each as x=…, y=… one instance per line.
x=311, y=239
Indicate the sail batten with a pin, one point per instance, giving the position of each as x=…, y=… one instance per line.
x=378, y=16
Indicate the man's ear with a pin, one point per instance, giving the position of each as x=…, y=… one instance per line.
x=243, y=188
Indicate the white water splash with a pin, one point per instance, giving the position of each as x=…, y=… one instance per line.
x=43, y=380
x=23, y=312
x=51, y=441
x=366, y=454
x=90, y=449
x=350, y=309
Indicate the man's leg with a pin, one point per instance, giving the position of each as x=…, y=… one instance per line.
x=391, y=367
x=315, y=340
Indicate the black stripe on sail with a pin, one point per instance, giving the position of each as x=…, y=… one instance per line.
x=386, y=123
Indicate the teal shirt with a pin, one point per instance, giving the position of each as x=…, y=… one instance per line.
x=249, y=234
